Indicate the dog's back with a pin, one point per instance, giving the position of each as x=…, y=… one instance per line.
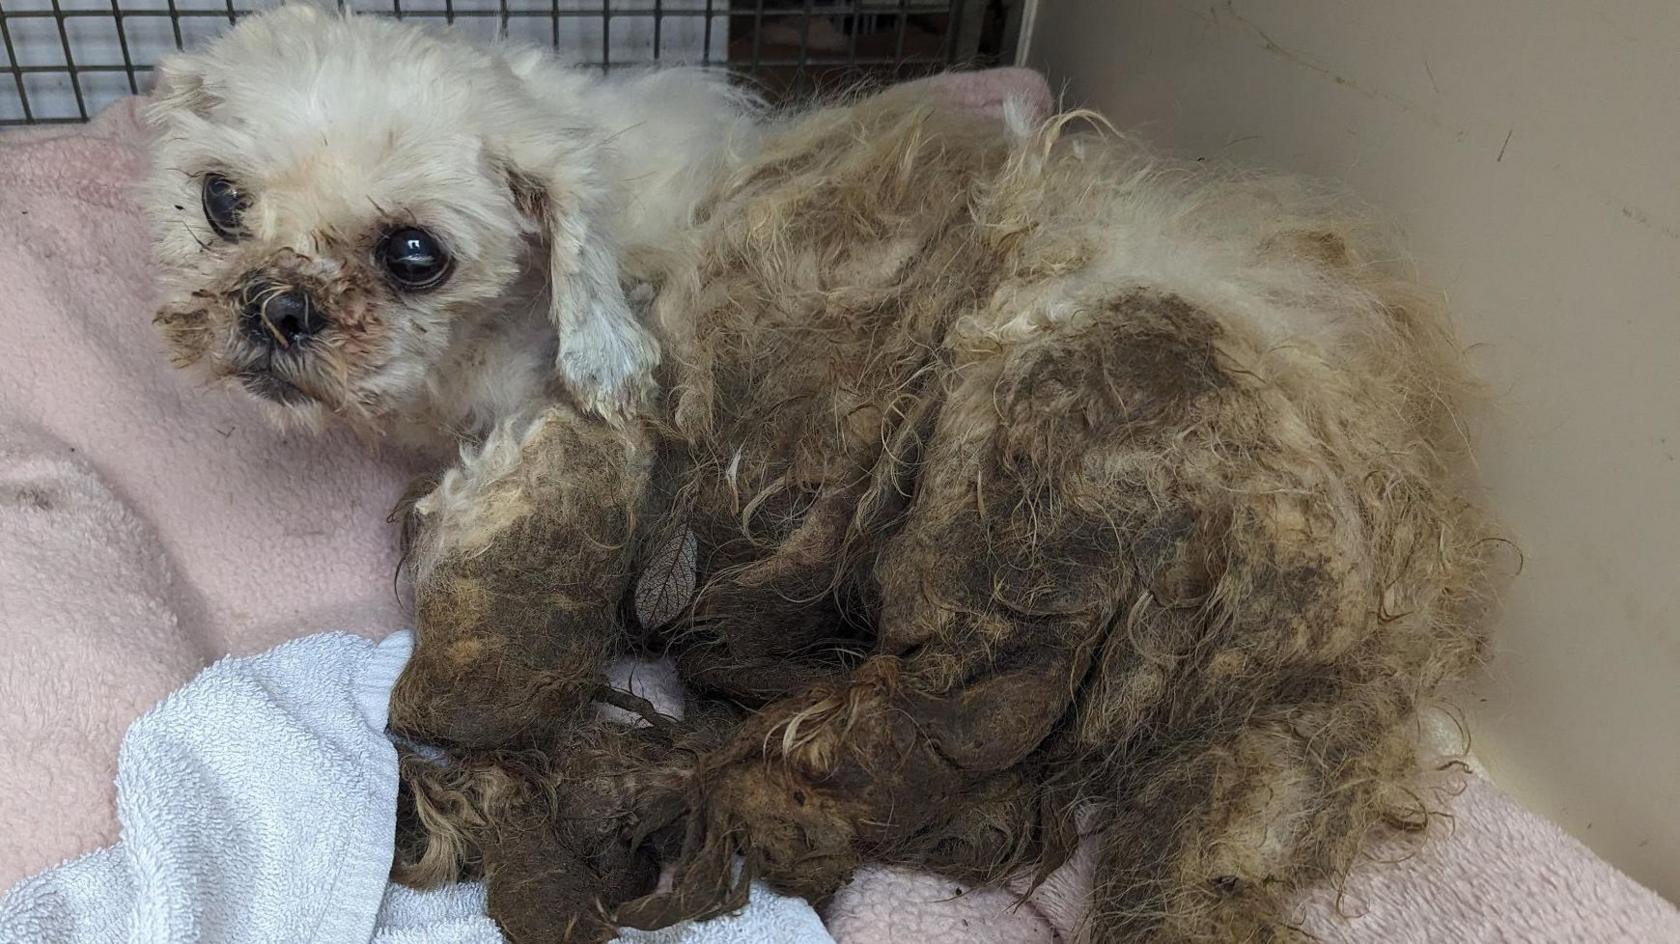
x=1144, y=475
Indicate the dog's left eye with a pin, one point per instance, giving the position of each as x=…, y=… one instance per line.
x=415, y=260
x=224, y=206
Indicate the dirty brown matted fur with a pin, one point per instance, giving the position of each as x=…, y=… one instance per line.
x=1033, y=480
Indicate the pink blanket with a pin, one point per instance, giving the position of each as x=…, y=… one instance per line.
x=148, y=526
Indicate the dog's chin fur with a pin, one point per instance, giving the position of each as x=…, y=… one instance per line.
x=532, y=175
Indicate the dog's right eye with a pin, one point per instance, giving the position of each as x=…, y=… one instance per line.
x=224, y=205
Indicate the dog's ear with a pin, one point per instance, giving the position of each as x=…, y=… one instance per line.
x=183, y=84
x=606, y=357
x=180, y=87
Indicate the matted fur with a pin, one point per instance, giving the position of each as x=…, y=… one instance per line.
x=1030, y=476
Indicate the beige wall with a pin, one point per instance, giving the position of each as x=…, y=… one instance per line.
x=1532, y=151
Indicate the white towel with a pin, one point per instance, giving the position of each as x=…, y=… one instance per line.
x=258, y=805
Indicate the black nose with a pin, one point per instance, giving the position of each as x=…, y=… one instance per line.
x=278, y=315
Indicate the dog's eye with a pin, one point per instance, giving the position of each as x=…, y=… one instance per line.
x=224, y=205
x=414, y=259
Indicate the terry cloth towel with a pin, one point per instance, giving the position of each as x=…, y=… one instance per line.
x=257, y=805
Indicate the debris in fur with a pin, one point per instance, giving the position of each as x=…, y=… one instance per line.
x=1029, y=477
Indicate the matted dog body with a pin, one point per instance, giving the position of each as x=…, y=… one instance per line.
x=1028, y=478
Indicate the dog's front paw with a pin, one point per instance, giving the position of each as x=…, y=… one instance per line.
x=544, y=889
x=720, y=827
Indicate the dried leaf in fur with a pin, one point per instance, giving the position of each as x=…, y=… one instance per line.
x=666, y=582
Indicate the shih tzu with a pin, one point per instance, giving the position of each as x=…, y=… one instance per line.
x=1025, y=476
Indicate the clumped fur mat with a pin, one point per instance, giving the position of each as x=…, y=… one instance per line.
x=1030, y=476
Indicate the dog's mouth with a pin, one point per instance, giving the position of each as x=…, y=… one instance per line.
x=267, y=385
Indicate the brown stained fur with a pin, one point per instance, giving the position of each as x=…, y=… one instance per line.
x=347, y=298
x=512, y=597
x=544, y=826
x=187, y=331
x=997, y=527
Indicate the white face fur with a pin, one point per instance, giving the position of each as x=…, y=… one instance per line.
x=350, y=212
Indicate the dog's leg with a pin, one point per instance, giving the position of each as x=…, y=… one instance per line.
x=542, y=828
x=522, y=556
x=1208, y=840
x=962, y=688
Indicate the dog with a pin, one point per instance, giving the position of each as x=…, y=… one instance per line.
x=1029, y=480
x=353, y=214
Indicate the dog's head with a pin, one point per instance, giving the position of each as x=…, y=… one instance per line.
x=347, y=208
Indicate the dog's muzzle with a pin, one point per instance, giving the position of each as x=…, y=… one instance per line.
x=274, y=315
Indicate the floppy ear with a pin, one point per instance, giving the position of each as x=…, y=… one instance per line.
x=180, y=87
x=606, y=357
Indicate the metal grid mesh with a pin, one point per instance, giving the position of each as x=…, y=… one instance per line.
x=65, y=59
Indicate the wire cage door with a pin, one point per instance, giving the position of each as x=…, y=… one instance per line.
x=65, y=59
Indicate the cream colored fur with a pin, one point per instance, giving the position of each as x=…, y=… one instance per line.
x=540, y=179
